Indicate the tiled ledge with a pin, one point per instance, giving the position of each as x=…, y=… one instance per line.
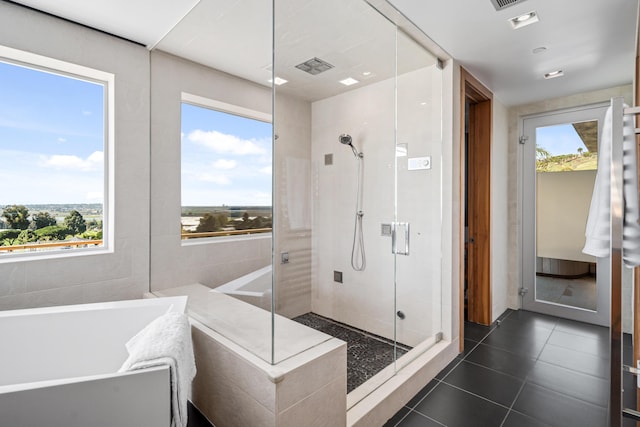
x=238, y=387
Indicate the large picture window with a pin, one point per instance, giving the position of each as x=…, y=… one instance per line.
x=226, y=170
x=54, y=127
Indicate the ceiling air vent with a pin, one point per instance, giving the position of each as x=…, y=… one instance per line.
x=314, y=66
x=502, y=4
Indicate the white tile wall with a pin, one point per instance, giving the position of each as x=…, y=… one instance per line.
x=90, y=278
x=366, y=299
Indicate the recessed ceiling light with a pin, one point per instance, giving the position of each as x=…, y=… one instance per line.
x=366, y=73
x=523, y=20
x=553, y=74
x=349, y=81
x=278, y=81
x=539, y=49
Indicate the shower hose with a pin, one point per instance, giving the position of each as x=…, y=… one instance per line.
x=358, y=258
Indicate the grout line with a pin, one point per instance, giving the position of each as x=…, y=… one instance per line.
x=567, y=396
x=420, y=414
x=425, y=396
x=493, y=370
x=514, y=401
x=476, y=395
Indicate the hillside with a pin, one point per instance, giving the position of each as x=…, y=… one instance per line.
x=568, y=162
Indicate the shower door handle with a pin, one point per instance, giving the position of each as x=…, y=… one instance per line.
x=395, y=229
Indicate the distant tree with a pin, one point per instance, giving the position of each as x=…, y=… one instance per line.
x=542, y=154
x=8, y=236
x=94, y=224
x=42, y=220
x=16, y=216
x=26, y=236
x=257, y=222
x=207, y=223
x=75, y=222
x=222, y=220
x=580, y=150
x=94, y=234
x=52, y=232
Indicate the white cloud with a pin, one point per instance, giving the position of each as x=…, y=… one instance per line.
x=69, y=162
x=62, y=139
x=267, y=170
x=225, y=144
x=94, y=196
x=215, y=178
x=225, y=164
x=86, y=113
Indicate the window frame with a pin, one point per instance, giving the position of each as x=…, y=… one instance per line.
x=54, y=66
x=220, y=106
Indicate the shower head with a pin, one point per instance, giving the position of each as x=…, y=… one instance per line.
x=345, y=139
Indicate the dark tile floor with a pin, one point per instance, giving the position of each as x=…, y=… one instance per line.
x=195, y=417
x=532, y=370
x=367, y=354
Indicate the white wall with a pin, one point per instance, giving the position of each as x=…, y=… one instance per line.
x=125, y=272
x=562, y=203
x=210, y=262
x=366, y=299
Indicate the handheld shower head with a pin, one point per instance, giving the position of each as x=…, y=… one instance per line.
x=345, y=139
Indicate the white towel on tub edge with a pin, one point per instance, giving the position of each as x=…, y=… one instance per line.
x=166, y=341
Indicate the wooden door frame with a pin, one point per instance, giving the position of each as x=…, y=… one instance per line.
x=476, y=93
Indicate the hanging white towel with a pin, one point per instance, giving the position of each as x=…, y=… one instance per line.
x=166, y=341
x=598, y=223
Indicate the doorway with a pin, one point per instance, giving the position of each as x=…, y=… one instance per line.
x=476, y=158
x=560, y=163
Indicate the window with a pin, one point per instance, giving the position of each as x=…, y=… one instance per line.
x=54, y=136
x=226, y=169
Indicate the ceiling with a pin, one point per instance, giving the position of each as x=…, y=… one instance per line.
x=593, y=42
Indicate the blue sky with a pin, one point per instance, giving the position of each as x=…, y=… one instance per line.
x=226, y=159
x=51, y=138
x=559, y=139
x=52, y=146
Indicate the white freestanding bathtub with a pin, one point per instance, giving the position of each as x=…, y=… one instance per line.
x=59, y=366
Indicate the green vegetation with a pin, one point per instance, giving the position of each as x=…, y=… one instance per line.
x=211, y=222
x=42, y=226
x=16, y=216
x=565, y=162
x=226, y=218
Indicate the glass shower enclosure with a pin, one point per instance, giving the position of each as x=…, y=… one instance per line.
x=349, y=240
x=357, y=183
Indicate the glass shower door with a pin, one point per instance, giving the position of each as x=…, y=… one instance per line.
x=334, y=156
x=418, y=195
x=357, y=183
